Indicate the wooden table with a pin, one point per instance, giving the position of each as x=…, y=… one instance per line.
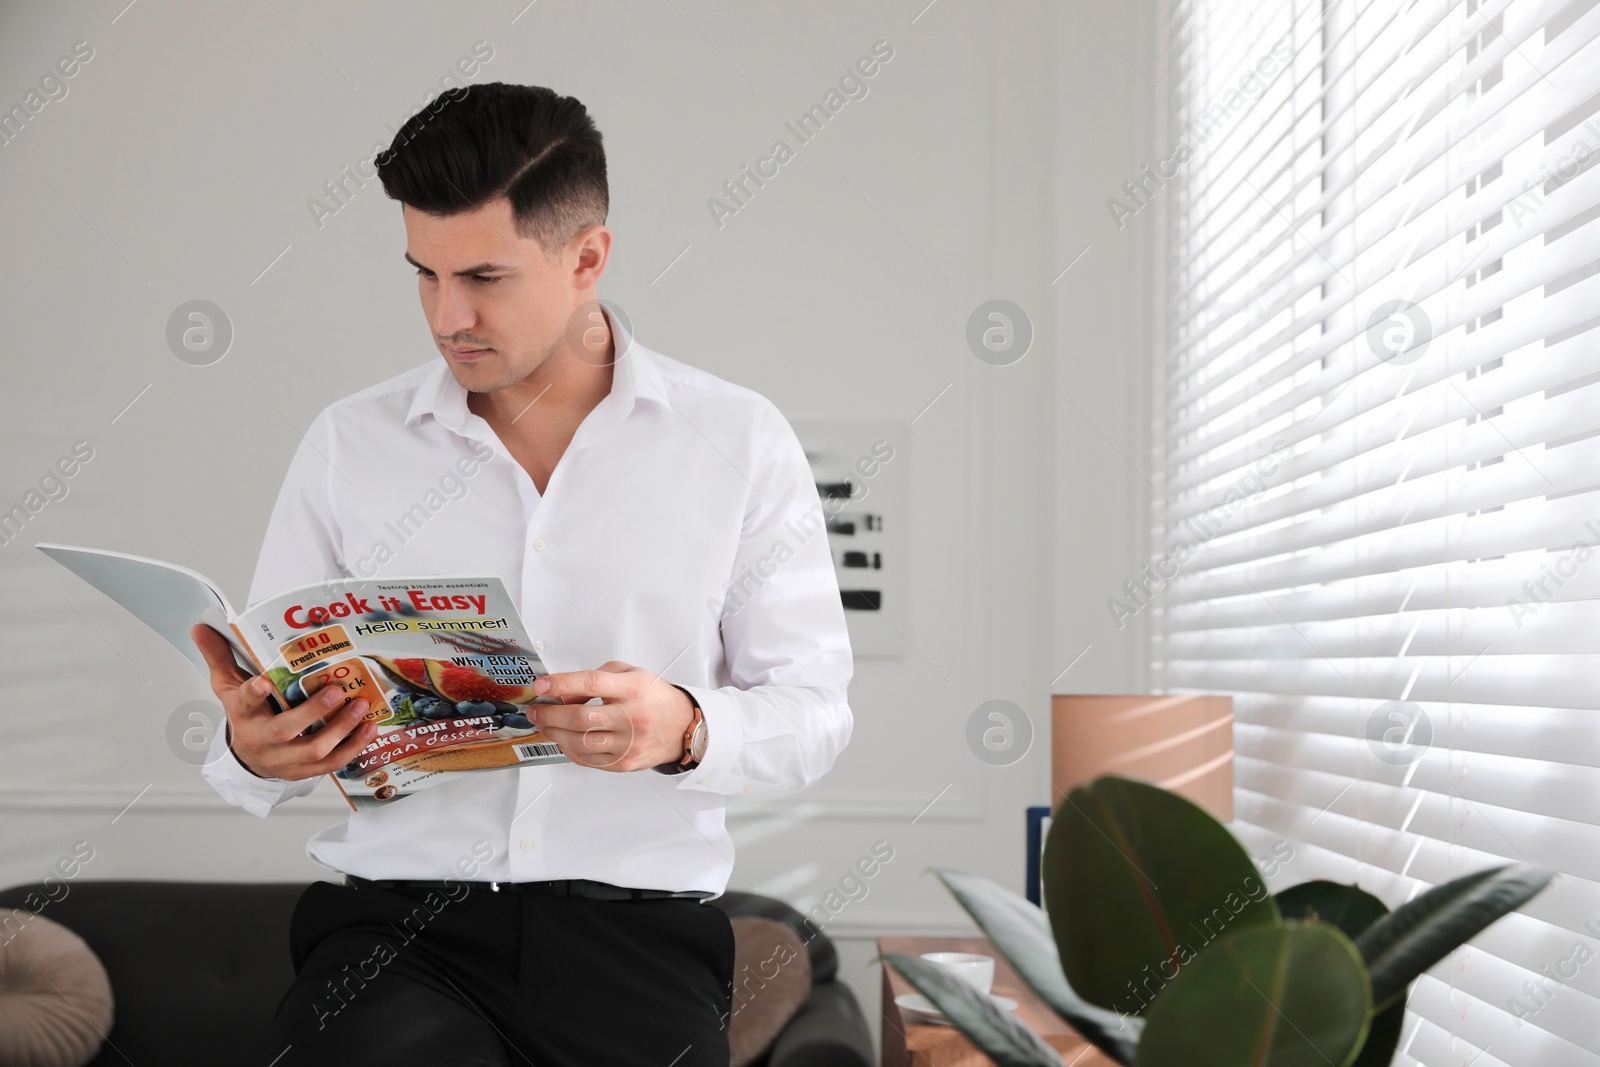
x=910, y=1040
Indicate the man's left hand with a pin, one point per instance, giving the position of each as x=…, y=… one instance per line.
x=640, y=724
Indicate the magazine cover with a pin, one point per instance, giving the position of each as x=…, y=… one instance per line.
x=445, y=663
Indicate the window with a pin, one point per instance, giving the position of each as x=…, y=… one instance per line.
x=1378, y=515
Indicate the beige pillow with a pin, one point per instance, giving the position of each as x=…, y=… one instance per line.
x=55, y=998
x=771, y=979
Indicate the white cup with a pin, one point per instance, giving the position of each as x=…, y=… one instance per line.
x=977, y=971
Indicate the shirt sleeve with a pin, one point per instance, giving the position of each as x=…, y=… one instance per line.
x=786, y=716
x=240, y=787
x=301, y=546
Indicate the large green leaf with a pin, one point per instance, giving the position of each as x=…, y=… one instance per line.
x=1021, y=934
x=1416, y=935
x=1352, y=910
x=1294, y=995
x=1138, y=881
x=999, y=1035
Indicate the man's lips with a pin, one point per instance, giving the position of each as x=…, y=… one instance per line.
x=466, y=355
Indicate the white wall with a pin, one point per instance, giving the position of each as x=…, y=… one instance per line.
x=180, y=164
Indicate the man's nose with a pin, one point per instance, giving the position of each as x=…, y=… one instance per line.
x=453, y=313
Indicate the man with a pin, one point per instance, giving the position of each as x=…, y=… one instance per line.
x=659, y=529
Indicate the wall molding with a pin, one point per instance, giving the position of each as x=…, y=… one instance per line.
x=789, y=808
x=870, y=928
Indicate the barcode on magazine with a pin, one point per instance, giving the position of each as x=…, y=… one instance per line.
x=536, y=750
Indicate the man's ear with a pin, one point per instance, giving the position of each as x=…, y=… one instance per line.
x=588, y=252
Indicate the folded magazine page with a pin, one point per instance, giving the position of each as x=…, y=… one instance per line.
x=445, y=663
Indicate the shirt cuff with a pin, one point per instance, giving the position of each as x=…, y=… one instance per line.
x=724, y=740
x=240, y=786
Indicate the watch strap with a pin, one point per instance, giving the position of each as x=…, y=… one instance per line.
x=685, y=763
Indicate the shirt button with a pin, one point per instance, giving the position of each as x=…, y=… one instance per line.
x=538, y=546
x=538, y=646
x=525, y=845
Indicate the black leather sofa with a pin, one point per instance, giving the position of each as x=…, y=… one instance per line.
x=197, y=969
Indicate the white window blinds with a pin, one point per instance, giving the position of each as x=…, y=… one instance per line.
x=1378, y=517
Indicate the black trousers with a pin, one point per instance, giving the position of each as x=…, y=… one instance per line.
x=474, y=978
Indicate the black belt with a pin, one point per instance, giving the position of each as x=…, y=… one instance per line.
x=559, y=887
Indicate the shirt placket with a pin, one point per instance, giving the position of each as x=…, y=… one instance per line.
x=519, y=844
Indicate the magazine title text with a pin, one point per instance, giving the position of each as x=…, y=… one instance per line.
x=301, y=617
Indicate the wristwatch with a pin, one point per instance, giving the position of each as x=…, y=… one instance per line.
x=694, y=740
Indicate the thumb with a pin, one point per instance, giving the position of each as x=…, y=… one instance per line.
x=225, y=673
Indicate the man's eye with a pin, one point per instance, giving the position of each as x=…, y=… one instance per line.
x=424, y=273
x=484, y=280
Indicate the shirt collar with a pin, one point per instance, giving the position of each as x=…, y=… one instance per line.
x=634, y=377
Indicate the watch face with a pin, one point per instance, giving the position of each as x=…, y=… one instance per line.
x=697, y=744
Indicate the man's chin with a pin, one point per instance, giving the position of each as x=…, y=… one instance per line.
x=487, y=374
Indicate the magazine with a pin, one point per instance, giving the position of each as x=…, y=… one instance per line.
x=444, y=662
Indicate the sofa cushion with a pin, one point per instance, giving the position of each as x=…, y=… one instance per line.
x=771, y=979
x=55, y=996
x=829, y=1031
x=824, y=957
x=213, y=956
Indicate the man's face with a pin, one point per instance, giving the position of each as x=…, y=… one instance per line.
x=496, y=306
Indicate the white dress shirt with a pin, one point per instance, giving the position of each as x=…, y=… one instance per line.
x=681, y=532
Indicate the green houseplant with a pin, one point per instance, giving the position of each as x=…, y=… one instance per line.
x=1164, y=947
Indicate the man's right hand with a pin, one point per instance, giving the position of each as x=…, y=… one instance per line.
x=268, y=743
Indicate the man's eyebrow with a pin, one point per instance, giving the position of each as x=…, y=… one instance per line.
x=481, y=268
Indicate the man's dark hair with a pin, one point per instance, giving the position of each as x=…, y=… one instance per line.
x=475, y=144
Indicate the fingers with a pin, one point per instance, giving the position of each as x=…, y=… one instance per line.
x=612, y=682
x=593, y=741
x=601, y=736
x=290, y=724
x=599, y=748
x=327, y=750
x=574, y=718
x=225, y=673
x=345, y=751
x=571, y=741
x=243, y=698
x=337, y=743
x=249, y=700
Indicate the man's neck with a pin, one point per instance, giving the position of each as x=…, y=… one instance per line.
x=560, y=391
